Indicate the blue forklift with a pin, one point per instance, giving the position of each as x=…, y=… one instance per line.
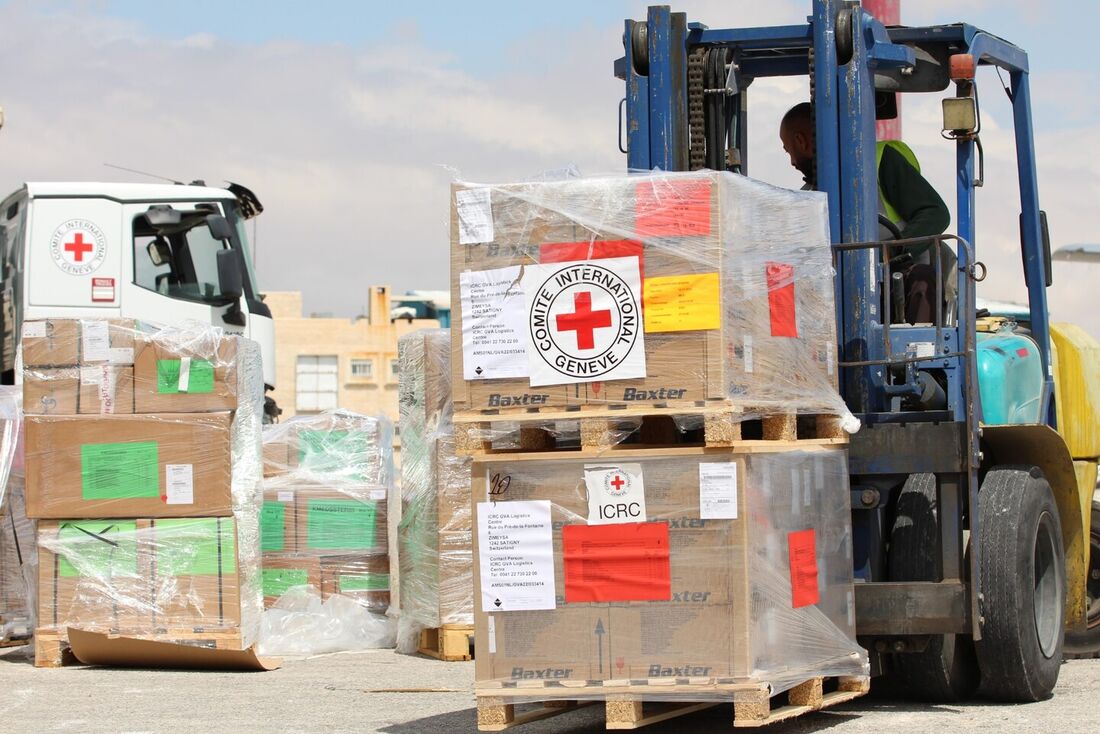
x=969, y=528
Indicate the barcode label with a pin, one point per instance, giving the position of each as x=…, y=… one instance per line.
x=718, y=491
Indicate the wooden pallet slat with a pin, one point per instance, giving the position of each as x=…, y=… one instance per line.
x=451, y=642
x=599, y=431
x=628, y=705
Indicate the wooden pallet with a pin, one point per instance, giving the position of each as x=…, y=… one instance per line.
x=632, y=427
x=51, y=647
x=451, y=642
x=628, y=705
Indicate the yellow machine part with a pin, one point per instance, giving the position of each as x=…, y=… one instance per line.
x=1077, y=389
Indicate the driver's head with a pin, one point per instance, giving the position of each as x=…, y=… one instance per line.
x=797, y=133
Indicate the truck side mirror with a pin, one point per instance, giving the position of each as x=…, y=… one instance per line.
x=231, y=284
x=219, y=227
x=160, y=253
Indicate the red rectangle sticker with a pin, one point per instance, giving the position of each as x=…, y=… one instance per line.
x=781, y=299
x=560, y=252
x=672, y=207
x=802, y=552
x=622, y=562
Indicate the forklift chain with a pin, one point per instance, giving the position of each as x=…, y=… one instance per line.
x=696, y=63
x=813, y=113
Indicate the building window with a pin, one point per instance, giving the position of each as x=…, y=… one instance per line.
x=362, y=369
x=316, y=386
x=395, y=369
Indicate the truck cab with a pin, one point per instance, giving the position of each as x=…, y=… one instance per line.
x=154, y=252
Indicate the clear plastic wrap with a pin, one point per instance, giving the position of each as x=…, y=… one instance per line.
x=689, y=606
x=324, y=533
x=434, y=537
x=659, y=290
x=18, y=564
x=163, y=469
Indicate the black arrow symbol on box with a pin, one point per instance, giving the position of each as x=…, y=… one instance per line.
x=599, y=641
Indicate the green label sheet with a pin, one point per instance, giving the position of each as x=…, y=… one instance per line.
x=340, y=524
x=364, y=582
x=111, y=471
x=97, y=549
x=341, y=452
x=276, y=581
x=273, y=526
x=193, y=546
x=200, y=377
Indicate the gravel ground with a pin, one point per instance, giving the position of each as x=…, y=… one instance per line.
x=356, y=693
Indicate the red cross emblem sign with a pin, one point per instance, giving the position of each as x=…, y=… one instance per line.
x=78, y=247
x=584, y=321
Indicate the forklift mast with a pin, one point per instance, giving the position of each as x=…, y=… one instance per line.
x=686, y=107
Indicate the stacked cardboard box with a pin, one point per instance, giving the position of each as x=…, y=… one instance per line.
x=143, y=469
x=762, y=592
x=434, y=538
x=655, y=290
x=324, y=518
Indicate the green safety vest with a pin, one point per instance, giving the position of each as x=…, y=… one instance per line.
x=892, y=214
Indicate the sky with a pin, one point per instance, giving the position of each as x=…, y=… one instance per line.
x=351, y=119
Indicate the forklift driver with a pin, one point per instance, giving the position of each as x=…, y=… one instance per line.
x=905, y=198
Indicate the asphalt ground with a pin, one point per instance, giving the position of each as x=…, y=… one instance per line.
x=381, y=691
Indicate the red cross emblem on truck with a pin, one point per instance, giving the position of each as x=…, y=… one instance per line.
x=78, y=247
x=584, y=321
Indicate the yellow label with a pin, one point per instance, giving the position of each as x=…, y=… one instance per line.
x=682, y=303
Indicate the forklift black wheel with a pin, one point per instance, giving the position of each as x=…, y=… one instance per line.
x=1023, y=585
x=1080, y=645
x=947, y=669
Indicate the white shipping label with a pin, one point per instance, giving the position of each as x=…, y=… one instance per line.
x=492, y=635
x=616, y=493
x=583, y=321
x=747, y=351
x=95, y=341
x=90, y=375
x=179, y=487
x=285, y=496
x=185, y=374
x=34, y=329
x=475, y=216
x=121, y=355
x=718, y=491
x=516, y=556
x=378, y=494
x=493, y=341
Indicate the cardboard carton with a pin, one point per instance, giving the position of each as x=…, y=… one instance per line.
x=364, y=578
x=282, y=572
x=51, y=390
x=333, y=522
x=173, y=465
x=106, y=389
x=279, y=520
x=51, y=342
x=170, y=378
x=195, y=576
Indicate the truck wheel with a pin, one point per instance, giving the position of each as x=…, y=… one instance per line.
x=1087, y=644
x=947, y=669
x=1023, y=585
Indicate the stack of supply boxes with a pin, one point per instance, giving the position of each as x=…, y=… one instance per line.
x=327, y=482
x=667, y=294
x=18, y=556
x=143, y=470
x=434, y=537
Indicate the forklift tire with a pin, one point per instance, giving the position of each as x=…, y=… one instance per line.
x=1081, y=645
x=947, y=669
x=1023, y=585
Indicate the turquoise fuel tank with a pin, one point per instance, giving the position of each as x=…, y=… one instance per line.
x=1010, y=378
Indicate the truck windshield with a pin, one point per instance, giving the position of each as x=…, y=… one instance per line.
x=180, y=261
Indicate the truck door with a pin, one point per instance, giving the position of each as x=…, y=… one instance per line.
x=171, y=272
x=74, y=255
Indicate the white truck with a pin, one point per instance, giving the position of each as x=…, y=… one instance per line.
x=155, y=252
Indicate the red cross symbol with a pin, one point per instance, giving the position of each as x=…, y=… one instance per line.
x=617, y=482
x=78, y=247
x=584, y=320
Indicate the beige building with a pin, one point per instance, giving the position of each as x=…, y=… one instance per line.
x=324, y=363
